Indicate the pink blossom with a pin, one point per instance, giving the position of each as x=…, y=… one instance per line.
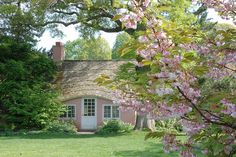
x=229, y=108
x=170, y=143
x=143, y=39
x=166, y=53
x=216, y=73
x=166, y=111
x=191, y=128
x=164, y=91
x=160, y=35
x=171, y=62
x=189, y=92
x=149, y=52
x=186, y=153
x=130, y=20
x=146, y=3
x=154, y=22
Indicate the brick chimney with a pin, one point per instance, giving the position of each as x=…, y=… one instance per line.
x=58, y=53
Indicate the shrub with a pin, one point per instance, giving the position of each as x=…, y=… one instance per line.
x=126, y=127
x=114, y=127
x=168, y=125
x=61, y=127
x=28, y=99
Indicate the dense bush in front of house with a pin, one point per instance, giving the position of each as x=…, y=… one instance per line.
x=61, y=127
x=114, y=127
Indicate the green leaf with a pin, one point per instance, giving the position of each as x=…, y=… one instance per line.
x=146, y=62
x=200, y=70
x=190, y=55
x=154, y=135
x=103, y=80
x=116, y=17
x=126, y=50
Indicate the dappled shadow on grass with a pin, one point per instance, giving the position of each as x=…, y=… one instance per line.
x=153, y=150
x=47, y=135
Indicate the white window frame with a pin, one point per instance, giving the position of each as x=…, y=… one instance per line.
x=103, y=109
x=67, y=112
x=82, y=107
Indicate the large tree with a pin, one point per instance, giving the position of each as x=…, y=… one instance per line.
x=187, y=73
x=22, y=19
x=88, y=49
x=122, y=40
x=88, y=15
x=28, y=99
x=31, y=18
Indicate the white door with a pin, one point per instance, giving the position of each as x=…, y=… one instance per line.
x=89, y=118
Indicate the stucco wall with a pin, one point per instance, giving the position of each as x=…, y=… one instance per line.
x=125, y=116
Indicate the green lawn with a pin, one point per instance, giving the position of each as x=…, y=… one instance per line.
x=130, y=145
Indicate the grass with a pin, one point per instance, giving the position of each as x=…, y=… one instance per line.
x=59, y=145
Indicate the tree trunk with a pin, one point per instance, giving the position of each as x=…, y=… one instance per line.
x=143, y=122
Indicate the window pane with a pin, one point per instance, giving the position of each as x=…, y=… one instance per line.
x=115, y=112
x=107, y=111
x=85, y=110
x=89, y=107
x=71, y=111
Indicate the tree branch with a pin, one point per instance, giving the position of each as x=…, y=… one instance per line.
x=115, y=29
x=226, y=67
x=61, y=22
x=67, y=13
x=200, y=112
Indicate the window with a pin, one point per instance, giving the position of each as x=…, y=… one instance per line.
x=89, y=107
x=70, y=112
x=111, y=112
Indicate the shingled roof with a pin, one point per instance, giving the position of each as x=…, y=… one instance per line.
x=77, y=78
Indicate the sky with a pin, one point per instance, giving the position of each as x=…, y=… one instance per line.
x=46, y=41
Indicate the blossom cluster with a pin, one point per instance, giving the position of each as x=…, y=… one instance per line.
x=192, y=128
x=170, y=143
x=225, y=8
x=129, y=101
x=229, y=108
x=131, y=19
x=164, y=111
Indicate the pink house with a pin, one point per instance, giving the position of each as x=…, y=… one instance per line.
x=88, y=104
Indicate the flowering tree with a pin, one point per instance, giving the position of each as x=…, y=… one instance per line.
x=183, y=71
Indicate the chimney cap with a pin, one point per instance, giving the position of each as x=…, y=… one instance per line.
x=58, y=43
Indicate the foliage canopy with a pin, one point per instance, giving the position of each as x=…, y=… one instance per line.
x=88, y=49
x=27, y=98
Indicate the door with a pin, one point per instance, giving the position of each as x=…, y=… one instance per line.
x=89, y=118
